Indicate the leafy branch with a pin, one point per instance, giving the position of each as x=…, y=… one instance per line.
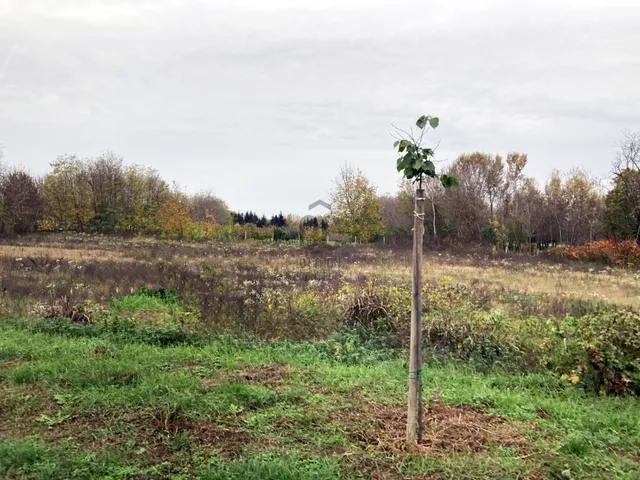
x=416, y=161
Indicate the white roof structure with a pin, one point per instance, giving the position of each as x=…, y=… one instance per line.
x=319, y=208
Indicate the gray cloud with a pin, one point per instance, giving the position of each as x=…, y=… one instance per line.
x=262, y=101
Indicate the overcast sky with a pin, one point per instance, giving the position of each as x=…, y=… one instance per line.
x=261, y=101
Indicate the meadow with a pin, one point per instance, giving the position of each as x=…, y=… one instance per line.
x=139, y=358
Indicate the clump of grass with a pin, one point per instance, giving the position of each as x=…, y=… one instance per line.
x=146, y=299
x=270, y=466
x=119, y=330
x=20, y=455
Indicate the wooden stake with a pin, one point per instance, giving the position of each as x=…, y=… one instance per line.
x=414, y=413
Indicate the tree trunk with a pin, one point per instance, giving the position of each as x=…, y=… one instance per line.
x=433, y=210
x=414, y=413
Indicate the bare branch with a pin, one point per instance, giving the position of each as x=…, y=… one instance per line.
x=408, y=135
x=628, y=155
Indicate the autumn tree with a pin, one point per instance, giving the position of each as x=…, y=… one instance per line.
x=494, y=180
x=557, y=207
x=355, y=207
x=470, y=209
x=628, y=154
x=206, y=207
x=22, y=206
x=106, y=178
x=532, y=210
x=67, y=195
x=573, y=207
x=397, y=210
x=623, y=201
x=467, y=203
x=174, y=213
x=143, y=192
x=584, y=206
x=622, y=206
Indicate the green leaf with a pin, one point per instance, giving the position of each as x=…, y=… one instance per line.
x=429, y=168
x=405, y=162
x=449, y=181
x=403, y=145
x=396, y=143
x=410, y=173
x=434, y=122
x=422, y=122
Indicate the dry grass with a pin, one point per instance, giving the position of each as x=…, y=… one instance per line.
x=62, y=253
x=216, y=279
x=618, y=286
x=447, y=429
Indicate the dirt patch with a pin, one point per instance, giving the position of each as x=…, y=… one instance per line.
x=11, y=363
x=447, y=429
x=165, y=425
x=228, y=442
x=377, y=468
x=20, y=406
x=161, y=433
x=87, y=429
x=467, y=429
x=269, y=375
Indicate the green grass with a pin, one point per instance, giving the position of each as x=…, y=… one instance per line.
x=96, y=407
x=146, y=299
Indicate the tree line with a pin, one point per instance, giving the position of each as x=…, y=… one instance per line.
x=103, y=195
x=495, y=201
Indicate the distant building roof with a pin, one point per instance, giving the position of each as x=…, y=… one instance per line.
x=320, y=203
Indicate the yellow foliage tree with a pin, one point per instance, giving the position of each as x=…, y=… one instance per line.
x=313, y=234
x=67, y=194
x=174, y=213
x=355, y=206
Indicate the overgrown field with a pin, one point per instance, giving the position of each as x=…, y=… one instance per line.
x=165, y=360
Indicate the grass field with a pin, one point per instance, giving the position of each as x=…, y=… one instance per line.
x=275, y=362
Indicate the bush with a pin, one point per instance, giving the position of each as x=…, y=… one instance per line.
x=608, y=252
x=602, y=352
x=489, y=339
x=278, y=314
x=146, y=298
x=357, y=346
x=149, y=307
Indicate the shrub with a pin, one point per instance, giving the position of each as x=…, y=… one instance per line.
x=357, y=346
x=150, y=307
x=608, y=252
x=602, y=352
x=488, y=339
x=276, y=313
x=313, y=234
x=66, y=307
